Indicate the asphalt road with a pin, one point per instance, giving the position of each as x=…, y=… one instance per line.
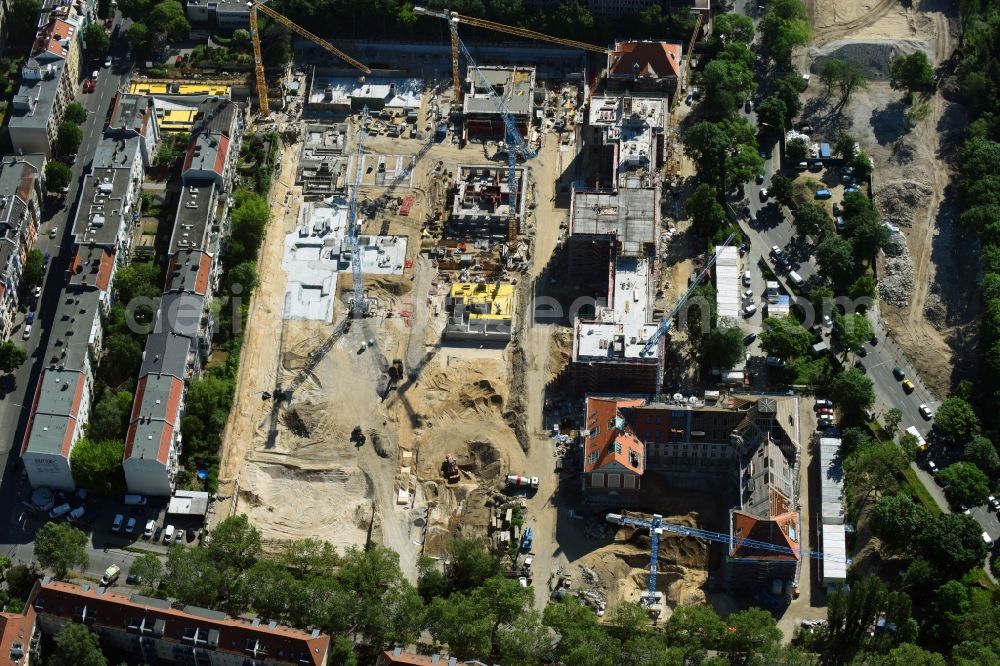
x=16, y=391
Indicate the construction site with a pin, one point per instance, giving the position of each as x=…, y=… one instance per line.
x=410, y=393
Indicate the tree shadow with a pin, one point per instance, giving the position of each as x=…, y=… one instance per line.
x=889, y=123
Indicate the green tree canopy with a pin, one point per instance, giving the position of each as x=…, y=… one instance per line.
x=784, y=26
x=75, y=113
x=785, y=337
x=723, y=346
x=956, y=421
x=732, y=27
x=695, y=630
x=854, y=392
x=863, y=287
x=12, y=357
x=843, y=77
x=60, y=547
x=892, y=418
x=789, y=88
x=835, y=256
x=236, y=544
x=772, y=112
x=781, y=189
x=897, y=521
x=811, y=219
x=68, y=138
x=983, y=454
x=77, y=645
x=953, y=543
x=749, y=631
x=249, y=218
x=57, y=176
x=138, y=279
x=796, y=150
x=911, y=73
x=472, y=564
x=97, y=466
x=31, y=274
x=149, y=569
x=192, y=576
x=854, y=330
x=845, y=147
x=170, y=21
x=967, y=485
x=873, y=468
x=706, y=213
x=139, y=38
x=122, y=356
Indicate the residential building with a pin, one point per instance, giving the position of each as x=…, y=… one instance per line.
x=612, y=248
x=399, y=657
x=481, y=205
x=19, y=635
x=750, y=444
x=226, y=15
x=647, y=66
x=514, y=85
x=48, y=79
x=628, y=135
x=480, y=311
x=134, y=116
x=20, y=215
x=153, y=443
x=61, y=405
x=155, y=631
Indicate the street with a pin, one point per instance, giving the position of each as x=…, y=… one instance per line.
x=16, y=390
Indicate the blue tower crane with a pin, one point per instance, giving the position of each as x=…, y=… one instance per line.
x=656, y=527
x=668, y=319
x=360, y=307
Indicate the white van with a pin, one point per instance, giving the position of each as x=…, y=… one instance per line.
x=796, y=278
x=168, y=534
x=60, y=510
x=135, y=500
x=75, y=514
x=749, y=310
x=746, y=279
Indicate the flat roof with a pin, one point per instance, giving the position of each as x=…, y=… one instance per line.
x=100, y=213
x=397, y=93
x=833, y=541
x=189, y=270
x=630, y=215
x=116, y=152
x=515, y=86
x=188, y=503
x=831, y=471
x=728, y=296
x=132, y=112
x=194, y=213
x=181, y=313
x=154, y=417
x=175, y=88
x=33, y=102
x=488, y=300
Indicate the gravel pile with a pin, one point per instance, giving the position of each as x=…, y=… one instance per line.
x=898, y=201
x=896, y=285
x=896, y=247
x=874, y=54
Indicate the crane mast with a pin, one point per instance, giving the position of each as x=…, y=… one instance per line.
x=359, y=307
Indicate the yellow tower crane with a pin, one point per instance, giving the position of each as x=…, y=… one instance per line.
x=455, y=18
x=256, y=5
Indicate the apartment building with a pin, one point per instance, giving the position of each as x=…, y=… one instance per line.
x=226, y=15
x=647, y=66
x=154, y=631
x=19, y=635
x=134, y=116
x=20, y=215
x=48, y=78
x=744, y=446
x=183, y=327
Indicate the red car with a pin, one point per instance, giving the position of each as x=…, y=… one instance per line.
x=179, y=61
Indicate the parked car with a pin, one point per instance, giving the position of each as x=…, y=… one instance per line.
x=776, y=251
x=110, y=574
x=746, y=279
x=76, y=514
x=932, y=466
x=133, y=579
x=821, y=402
x=802, y=166
x=841, y=224
x=926, y=412
x=150, y=526
x=107, y=61
x=852, y=188
x=837, y=210
x=760, y=179
x=53, y=232
x=750, y=337
x=824, y=194
x=994, y=503
x=763, y=194
x=749, y=309
x=130, y=525
x=748, y=293
x=775, y=362
x=27, y=331
x=816, y=166
x=116, y=524
x=37, y=291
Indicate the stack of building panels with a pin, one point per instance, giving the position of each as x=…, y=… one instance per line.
x=727, y=282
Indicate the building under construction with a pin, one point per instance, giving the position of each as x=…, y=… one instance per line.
x=627, y=137
x=481, y=204
x=514, y=85
x=322, y=166
x=613, y=249
x=480, y=311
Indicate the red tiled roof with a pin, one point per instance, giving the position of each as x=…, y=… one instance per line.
x=16, y=628
x=221, y=154
x=204, y=269
x=775, y=531
x=28, y=176
x=280, y=644
x=390, y=658
x=171, y=412
x=656, y=60
x=610, y=437
x=67, y=444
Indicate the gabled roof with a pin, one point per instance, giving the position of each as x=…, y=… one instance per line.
x=189, y=271
x=15, y=636
x=611, y=438
x=92, y=267
x=645, y=60
x=782, y=530
x=155, y=416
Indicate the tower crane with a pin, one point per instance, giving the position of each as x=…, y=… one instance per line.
x=360, y=307
x=657, y=527
x=668, y=319
x=454, y=18
x=258, y=62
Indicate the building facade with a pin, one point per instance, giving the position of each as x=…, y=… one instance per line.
x=20, y=215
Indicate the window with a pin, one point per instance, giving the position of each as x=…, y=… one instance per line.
x=592, y=458
x=617, y=446
x=614, y=481
x=597, y=480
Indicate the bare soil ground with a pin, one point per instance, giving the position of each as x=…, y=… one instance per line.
x=925, y=281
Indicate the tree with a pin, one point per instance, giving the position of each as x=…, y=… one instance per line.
x=843, y=76
x=772, y=112
x=95, y=42
x=781, y=189
x=909, y=654
x=68, y=138
x=852, y=614
x=581, y=640
x=306, y=557
x=796, y=150
x=835, y=257
x=981, y=453
x=728, y=83
x=752, y=630
x=863, y=287
x=31, y=274
x=138, y=37
x=897, y=521
x=854, y=330
x=206, y=409
x=122, y=356
x=646, y=649
x=60, y=547
x=75, y=113
x=57, y=176
x=12, y=357
x=953, y=543
x=139, y=279
x=21, y=18
x=911, y=73
x=135, y=9
x=956, y=421
x=460, y=624
x=967, y=485
x=785, y=337
x=235, y=544
x=628, y=619
x=695, y=630
x=811, y=220
x=789, y=89
x=854, y=392
x=707, y=214
x=241, y=39
x=723, y=346
x=249, y=219
x=707, y=145
x=732, y=28
x=918, y=578
x=77, y=645
x=784, y=26
x=845, y=147
x=471, y=564
x=862, y=164
x=192, y=576
x=170, y=21
x=873, y=467
x=110, y=416
x=243, y=274
x=148, y=568
x=892, y=418
x=97, y=466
